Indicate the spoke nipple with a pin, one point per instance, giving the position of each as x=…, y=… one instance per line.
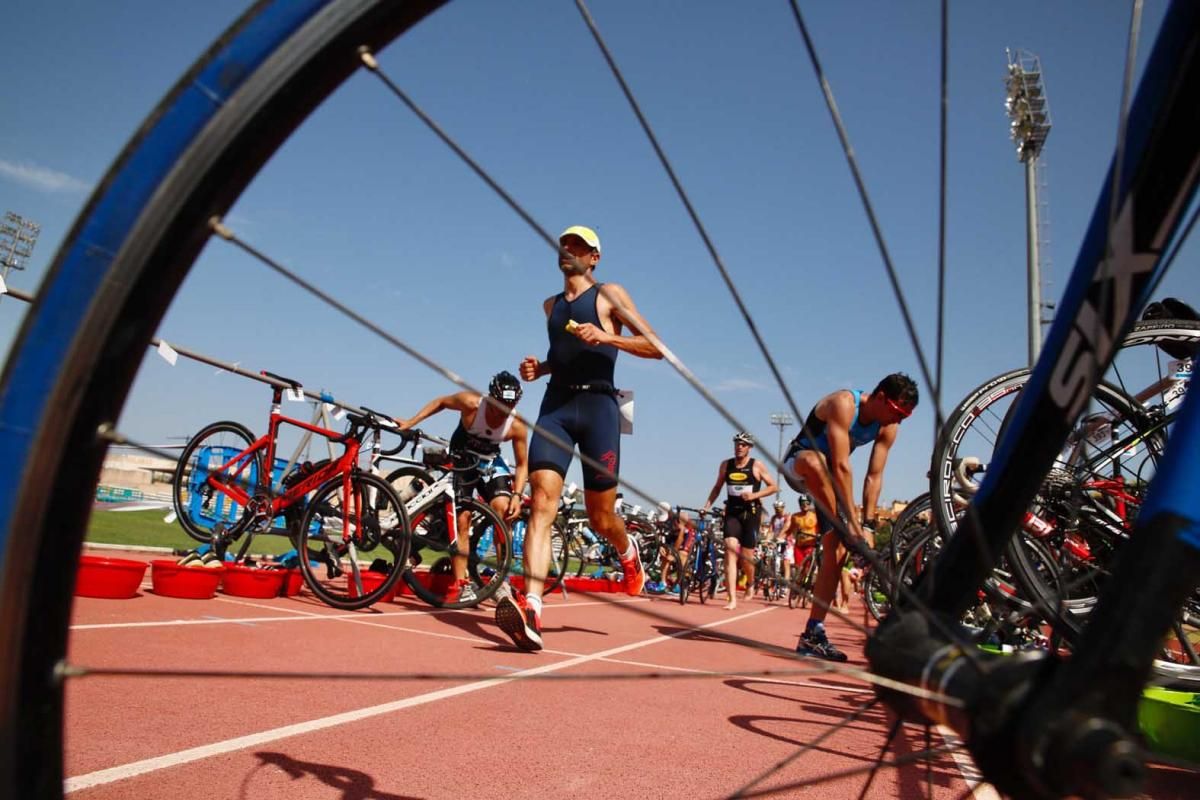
x=218, y=227
x=63, y=670
x=108, y=432
x=368, y=59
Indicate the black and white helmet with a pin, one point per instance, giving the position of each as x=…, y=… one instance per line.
x=743, y=438
x=505, y=387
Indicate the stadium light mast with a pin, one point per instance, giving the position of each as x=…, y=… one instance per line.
x=781, y=421
x=1029, y=116
x=17, y=238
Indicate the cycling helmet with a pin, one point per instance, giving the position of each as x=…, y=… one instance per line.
x=743, y=438
x=505, y=387
x=779, y=504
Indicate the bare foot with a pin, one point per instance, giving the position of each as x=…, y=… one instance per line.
x=731, y=605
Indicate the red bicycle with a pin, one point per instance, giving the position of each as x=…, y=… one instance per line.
x=335, y=513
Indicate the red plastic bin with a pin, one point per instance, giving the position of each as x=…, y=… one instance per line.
x=438, y=582
x=242, y=581
x=292, y=583
x=169, y=579
x=372, y=581
x=112, y=578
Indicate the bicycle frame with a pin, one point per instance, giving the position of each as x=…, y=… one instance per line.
x=1070, y=734
x=342, y=466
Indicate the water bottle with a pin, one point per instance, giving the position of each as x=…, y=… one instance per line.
x=518, y=538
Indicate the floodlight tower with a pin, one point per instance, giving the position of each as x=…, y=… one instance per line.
x=17, y=238
x=1029, y=116
x=780, y=421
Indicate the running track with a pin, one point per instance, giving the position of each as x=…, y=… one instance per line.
x=489, y=731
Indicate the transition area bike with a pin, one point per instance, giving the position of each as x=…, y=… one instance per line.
x=335, y=513
x=1037, y=725
x=443, y=517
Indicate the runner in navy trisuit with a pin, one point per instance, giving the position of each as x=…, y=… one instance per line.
x=585, y=327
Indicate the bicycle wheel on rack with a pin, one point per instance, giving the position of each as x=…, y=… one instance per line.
x=214, y=451
x=354, y=544
x=1085, y=508
x=800, y=590
x=488, y=558
x=973, y=429
x=876, y=595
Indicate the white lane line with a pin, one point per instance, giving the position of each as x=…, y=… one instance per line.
x=966, y=767
x=133, y=769
x=312, y=615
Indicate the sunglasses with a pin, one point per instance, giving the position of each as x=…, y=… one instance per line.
x=904, y=413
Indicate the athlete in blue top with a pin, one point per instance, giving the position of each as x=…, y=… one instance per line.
x=585, y=327
x=820, y=456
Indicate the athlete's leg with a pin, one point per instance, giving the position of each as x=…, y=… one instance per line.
x=546, y=488
x=604, y=521
x=808, y=467
x=748, y=571
x=732, y=548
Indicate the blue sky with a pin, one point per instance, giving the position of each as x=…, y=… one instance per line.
x=366, y=201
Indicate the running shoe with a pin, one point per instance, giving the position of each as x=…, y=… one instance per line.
x=464, y=592
x=521, y=623
x=816, y=644
x=633, y=577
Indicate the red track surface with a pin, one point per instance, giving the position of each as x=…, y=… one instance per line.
x=487, y=732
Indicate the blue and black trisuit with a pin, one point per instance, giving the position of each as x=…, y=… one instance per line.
x=860, y=434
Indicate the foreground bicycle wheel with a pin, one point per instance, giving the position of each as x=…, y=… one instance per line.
x=104, y=295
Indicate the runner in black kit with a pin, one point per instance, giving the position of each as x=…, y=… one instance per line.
x=743, y=478
x=580, y=407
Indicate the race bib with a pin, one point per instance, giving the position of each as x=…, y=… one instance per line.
x=625, y=404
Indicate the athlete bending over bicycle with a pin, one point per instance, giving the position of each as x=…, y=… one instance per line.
x=484, y=423
x=820, y=456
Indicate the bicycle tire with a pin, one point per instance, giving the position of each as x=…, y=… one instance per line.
x=104, y=294
x=1117, y=405
x=381, y=521
x=1147, y=333
x=199, y=506
x=801, y=589
x=485, y=585
x=876, y=596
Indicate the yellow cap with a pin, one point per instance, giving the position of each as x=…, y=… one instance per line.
x=587, y=234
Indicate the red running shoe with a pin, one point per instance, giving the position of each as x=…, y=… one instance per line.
x=521, y=623
x=633, y=577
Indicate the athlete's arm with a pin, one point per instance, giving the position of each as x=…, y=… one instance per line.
x=518, y=434
x=839, y=416
x=764, y=476
x=620, y=311
x=531, y=367
x=460, y=401
x=716, y=486
x=873, y=482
